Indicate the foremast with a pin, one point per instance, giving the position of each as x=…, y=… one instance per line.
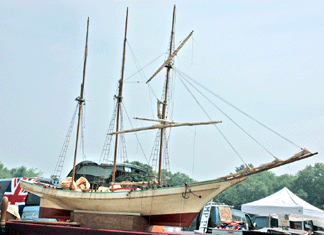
x=119, y=100
x=80, y=100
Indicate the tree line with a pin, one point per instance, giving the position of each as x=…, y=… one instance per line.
x=307, y=184
x=18, y=172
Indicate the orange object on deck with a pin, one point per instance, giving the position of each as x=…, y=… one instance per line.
x=156, y=229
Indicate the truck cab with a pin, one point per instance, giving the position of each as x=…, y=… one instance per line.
x=214, y=215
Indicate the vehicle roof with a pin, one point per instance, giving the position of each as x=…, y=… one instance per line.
x=4, y=180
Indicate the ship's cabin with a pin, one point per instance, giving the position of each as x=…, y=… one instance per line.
x=101, y=174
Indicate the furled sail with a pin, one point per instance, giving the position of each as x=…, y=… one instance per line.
x=165, y=125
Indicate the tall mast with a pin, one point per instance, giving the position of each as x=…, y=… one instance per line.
x=80, y=101
x=169, y=66
x=119, y=100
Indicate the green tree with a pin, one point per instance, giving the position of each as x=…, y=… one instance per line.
x=181, y=178
x=282, y=181
x=4, y=172
x=175, y=179
x=54, y=177
x=18, y=172
x=309, y=184
x=149, y=175
x=253, y=188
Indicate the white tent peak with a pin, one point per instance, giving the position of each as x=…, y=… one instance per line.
x=284, y=202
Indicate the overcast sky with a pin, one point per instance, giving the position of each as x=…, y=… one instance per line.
x=264, y=57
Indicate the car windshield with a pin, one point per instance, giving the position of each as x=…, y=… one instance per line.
x=238, y=215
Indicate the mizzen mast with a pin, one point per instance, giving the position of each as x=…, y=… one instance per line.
x=119, y=100
x=80, y=100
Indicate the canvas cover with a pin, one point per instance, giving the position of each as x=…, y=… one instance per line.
x=225, y=214
x=284, y=202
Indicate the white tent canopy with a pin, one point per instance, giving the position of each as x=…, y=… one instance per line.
x=284, y=202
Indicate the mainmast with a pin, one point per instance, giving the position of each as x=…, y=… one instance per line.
x=80, y=102
x=119, y=100
x=164, y=104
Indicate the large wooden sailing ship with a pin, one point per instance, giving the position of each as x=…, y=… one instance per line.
x=172, y=205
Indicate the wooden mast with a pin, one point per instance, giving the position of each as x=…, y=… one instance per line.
x=169, y=66
x=80, y=101
x=119, y=100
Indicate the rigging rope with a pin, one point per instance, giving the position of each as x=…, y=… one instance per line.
x=122, y=146
x=166, y=159
x=82, y=131
x=106, y=147
x=229, y=143
x=61, y=159
x=183, y=74
x=232, y=120
x=135, y=134
x=155, y=151
x=140, y=69
x=193, y=153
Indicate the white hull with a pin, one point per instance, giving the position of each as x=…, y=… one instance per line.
x=164, y=206
x=152, y=202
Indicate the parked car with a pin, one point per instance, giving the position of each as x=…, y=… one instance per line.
x=270, y=222
x=264, y=221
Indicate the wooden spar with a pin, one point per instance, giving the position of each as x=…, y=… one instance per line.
x=131, y=183
x=170, y=57
x=304, y=153
x=165, y=125
x=155, y=120
x=166, y=97
x=81, y=101
x=119, y=100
